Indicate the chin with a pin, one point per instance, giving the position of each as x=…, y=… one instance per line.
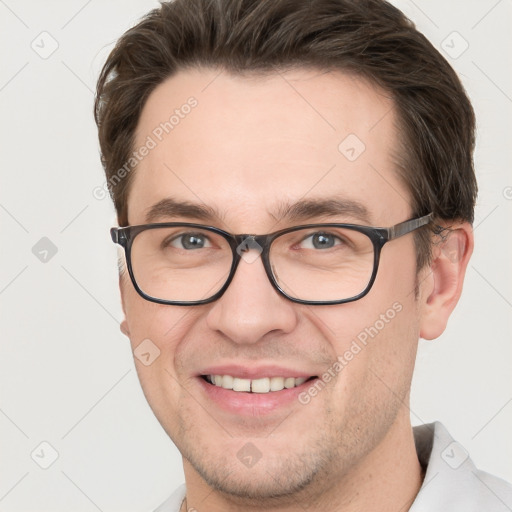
x=258, y=485
x=275, y=480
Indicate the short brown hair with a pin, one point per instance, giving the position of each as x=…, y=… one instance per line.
x=369, y=38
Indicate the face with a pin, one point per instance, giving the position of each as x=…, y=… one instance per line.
x=248, y=147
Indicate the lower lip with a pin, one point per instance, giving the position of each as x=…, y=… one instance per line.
x=252, y=404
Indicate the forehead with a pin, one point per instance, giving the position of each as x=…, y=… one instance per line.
x=246, y=145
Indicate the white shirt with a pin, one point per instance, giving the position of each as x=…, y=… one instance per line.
x=452, y=482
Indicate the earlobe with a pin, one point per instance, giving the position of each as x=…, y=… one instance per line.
x=448, y=268
x=124, y=328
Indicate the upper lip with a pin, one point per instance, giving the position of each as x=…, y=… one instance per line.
x=254, y=372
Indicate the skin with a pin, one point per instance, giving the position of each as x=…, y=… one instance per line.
x=250, y=144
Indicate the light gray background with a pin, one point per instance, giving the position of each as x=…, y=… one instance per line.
x=67, y=375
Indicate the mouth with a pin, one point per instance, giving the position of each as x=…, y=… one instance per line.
x=262, y=385
x=253, y=390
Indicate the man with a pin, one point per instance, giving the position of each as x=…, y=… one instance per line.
x=295, y=189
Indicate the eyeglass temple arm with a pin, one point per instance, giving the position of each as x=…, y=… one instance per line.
x=407, y=226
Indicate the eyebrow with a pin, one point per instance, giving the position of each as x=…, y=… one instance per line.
x=300, y=211
x=170, y=207
x=328, y=207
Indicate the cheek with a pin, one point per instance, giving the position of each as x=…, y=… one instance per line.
x=163, y=381
x=391, y=344
x=161, y=324
x=375, y=338
x=155, y=333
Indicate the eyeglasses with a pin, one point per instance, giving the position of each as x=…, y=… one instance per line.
x=187, y=264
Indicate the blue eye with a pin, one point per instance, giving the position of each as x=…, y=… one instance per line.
x=320, y=241
x=190, y=241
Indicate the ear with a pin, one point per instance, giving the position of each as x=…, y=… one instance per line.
x=443, y=285
x=124, y=324
x=123, y=275
x=124, y=327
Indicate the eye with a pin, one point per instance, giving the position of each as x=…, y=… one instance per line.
x=321, y=240
x=189, y=241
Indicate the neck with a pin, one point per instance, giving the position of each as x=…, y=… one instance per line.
x=387, y=479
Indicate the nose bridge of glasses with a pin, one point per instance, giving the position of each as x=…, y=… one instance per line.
x=250, y=247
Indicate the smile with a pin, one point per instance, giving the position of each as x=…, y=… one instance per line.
x=262, y=385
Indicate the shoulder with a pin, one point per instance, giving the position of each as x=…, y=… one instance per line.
x=452, y=481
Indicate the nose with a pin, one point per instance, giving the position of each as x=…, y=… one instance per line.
x=251, y=308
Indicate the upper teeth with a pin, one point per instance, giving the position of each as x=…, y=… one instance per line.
x=263, y=385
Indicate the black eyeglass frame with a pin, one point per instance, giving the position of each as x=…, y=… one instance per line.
x=124, y=236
